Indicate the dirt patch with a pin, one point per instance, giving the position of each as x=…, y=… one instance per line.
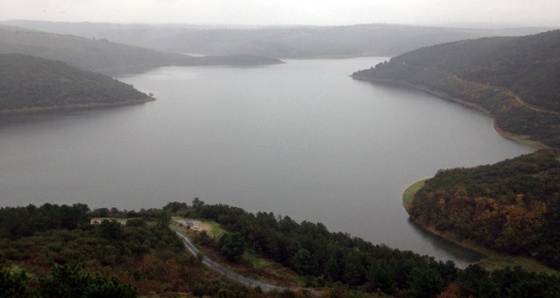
x=195, y=225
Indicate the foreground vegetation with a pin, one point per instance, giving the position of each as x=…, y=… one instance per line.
x=40, y=246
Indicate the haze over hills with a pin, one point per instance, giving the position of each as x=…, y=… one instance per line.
x=513, y=78
x=103, y=56
x=278, y=42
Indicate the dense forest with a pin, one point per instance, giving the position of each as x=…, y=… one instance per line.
x=133, y=253
x=101, y=55
x=513, y=78
x=28, y=82
x=512, y=206
x=280, y=42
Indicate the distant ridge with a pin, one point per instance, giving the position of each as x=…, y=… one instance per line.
x=274, y=41
x=103, y=56
x=30, y=84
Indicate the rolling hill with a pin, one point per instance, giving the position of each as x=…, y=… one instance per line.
x=280, y=42
x=29, y=83
x=103, y=56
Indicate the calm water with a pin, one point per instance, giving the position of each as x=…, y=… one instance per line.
x=300, y=139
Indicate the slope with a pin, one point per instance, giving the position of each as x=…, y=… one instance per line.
x=29, y=83
x=515, y=79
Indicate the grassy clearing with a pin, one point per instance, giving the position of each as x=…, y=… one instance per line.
x=408, y=194
x=492, y=261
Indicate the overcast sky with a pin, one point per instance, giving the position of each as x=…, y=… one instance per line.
x=289, y=12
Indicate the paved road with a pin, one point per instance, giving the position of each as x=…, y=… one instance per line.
x=265, y=287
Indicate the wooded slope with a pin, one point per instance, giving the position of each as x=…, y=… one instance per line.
x=514, y=78
x=512, y=207
x=28, y=82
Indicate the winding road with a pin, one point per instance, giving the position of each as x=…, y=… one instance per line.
x=228, y=273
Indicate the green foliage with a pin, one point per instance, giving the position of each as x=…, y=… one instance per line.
x=28, y=82
x=68, y=282
x=25, y=221
x=13, y=284
x=232, y=246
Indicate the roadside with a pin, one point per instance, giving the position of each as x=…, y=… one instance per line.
x=218, y=267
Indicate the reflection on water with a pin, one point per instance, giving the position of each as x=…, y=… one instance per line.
x=462, y=255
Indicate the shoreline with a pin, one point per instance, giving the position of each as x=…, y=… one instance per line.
x=75, y=107
x=490, y=260
x=521, y=139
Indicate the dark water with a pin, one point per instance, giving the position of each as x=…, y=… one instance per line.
x=300, y=139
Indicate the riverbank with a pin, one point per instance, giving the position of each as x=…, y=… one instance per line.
x=522, y=139
x=490, y=260
x=76, y=106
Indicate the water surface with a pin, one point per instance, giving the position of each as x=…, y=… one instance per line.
x=301, y=139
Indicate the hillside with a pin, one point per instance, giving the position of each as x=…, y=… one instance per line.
x=31, y=83
x=103, y=56
x=280, y=42
x=515, y=79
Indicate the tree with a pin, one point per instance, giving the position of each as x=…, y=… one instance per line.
x=13, y=284
x=232, y=246
x=68, y=282
x=426, y=282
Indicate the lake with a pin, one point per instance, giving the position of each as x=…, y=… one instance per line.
x=301, y=139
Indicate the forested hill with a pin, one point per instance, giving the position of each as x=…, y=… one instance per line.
x=512, y=207
x=28, y=83
x=513, y=78
x=103, y=56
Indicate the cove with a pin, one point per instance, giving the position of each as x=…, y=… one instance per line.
x=300, y=139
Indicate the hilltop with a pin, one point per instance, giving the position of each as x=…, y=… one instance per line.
x=283, y=42
x=31, y=83
x=515, y=79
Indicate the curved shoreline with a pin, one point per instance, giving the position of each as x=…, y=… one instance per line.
x=524, y=140
x=76, y=106
x=490, y=259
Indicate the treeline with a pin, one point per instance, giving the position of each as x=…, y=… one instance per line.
x=28, y=82
x=57, y=251
x=490, y=73
x=327, y=259
x=511, y=207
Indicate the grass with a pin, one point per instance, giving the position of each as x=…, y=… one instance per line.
x=408, y=194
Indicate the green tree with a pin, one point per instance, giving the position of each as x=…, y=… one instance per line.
x=426, y=282
x=68, y=282
x=232, y=246
x=13, y=284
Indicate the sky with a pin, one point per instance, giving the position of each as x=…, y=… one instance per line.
x=289, y=12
